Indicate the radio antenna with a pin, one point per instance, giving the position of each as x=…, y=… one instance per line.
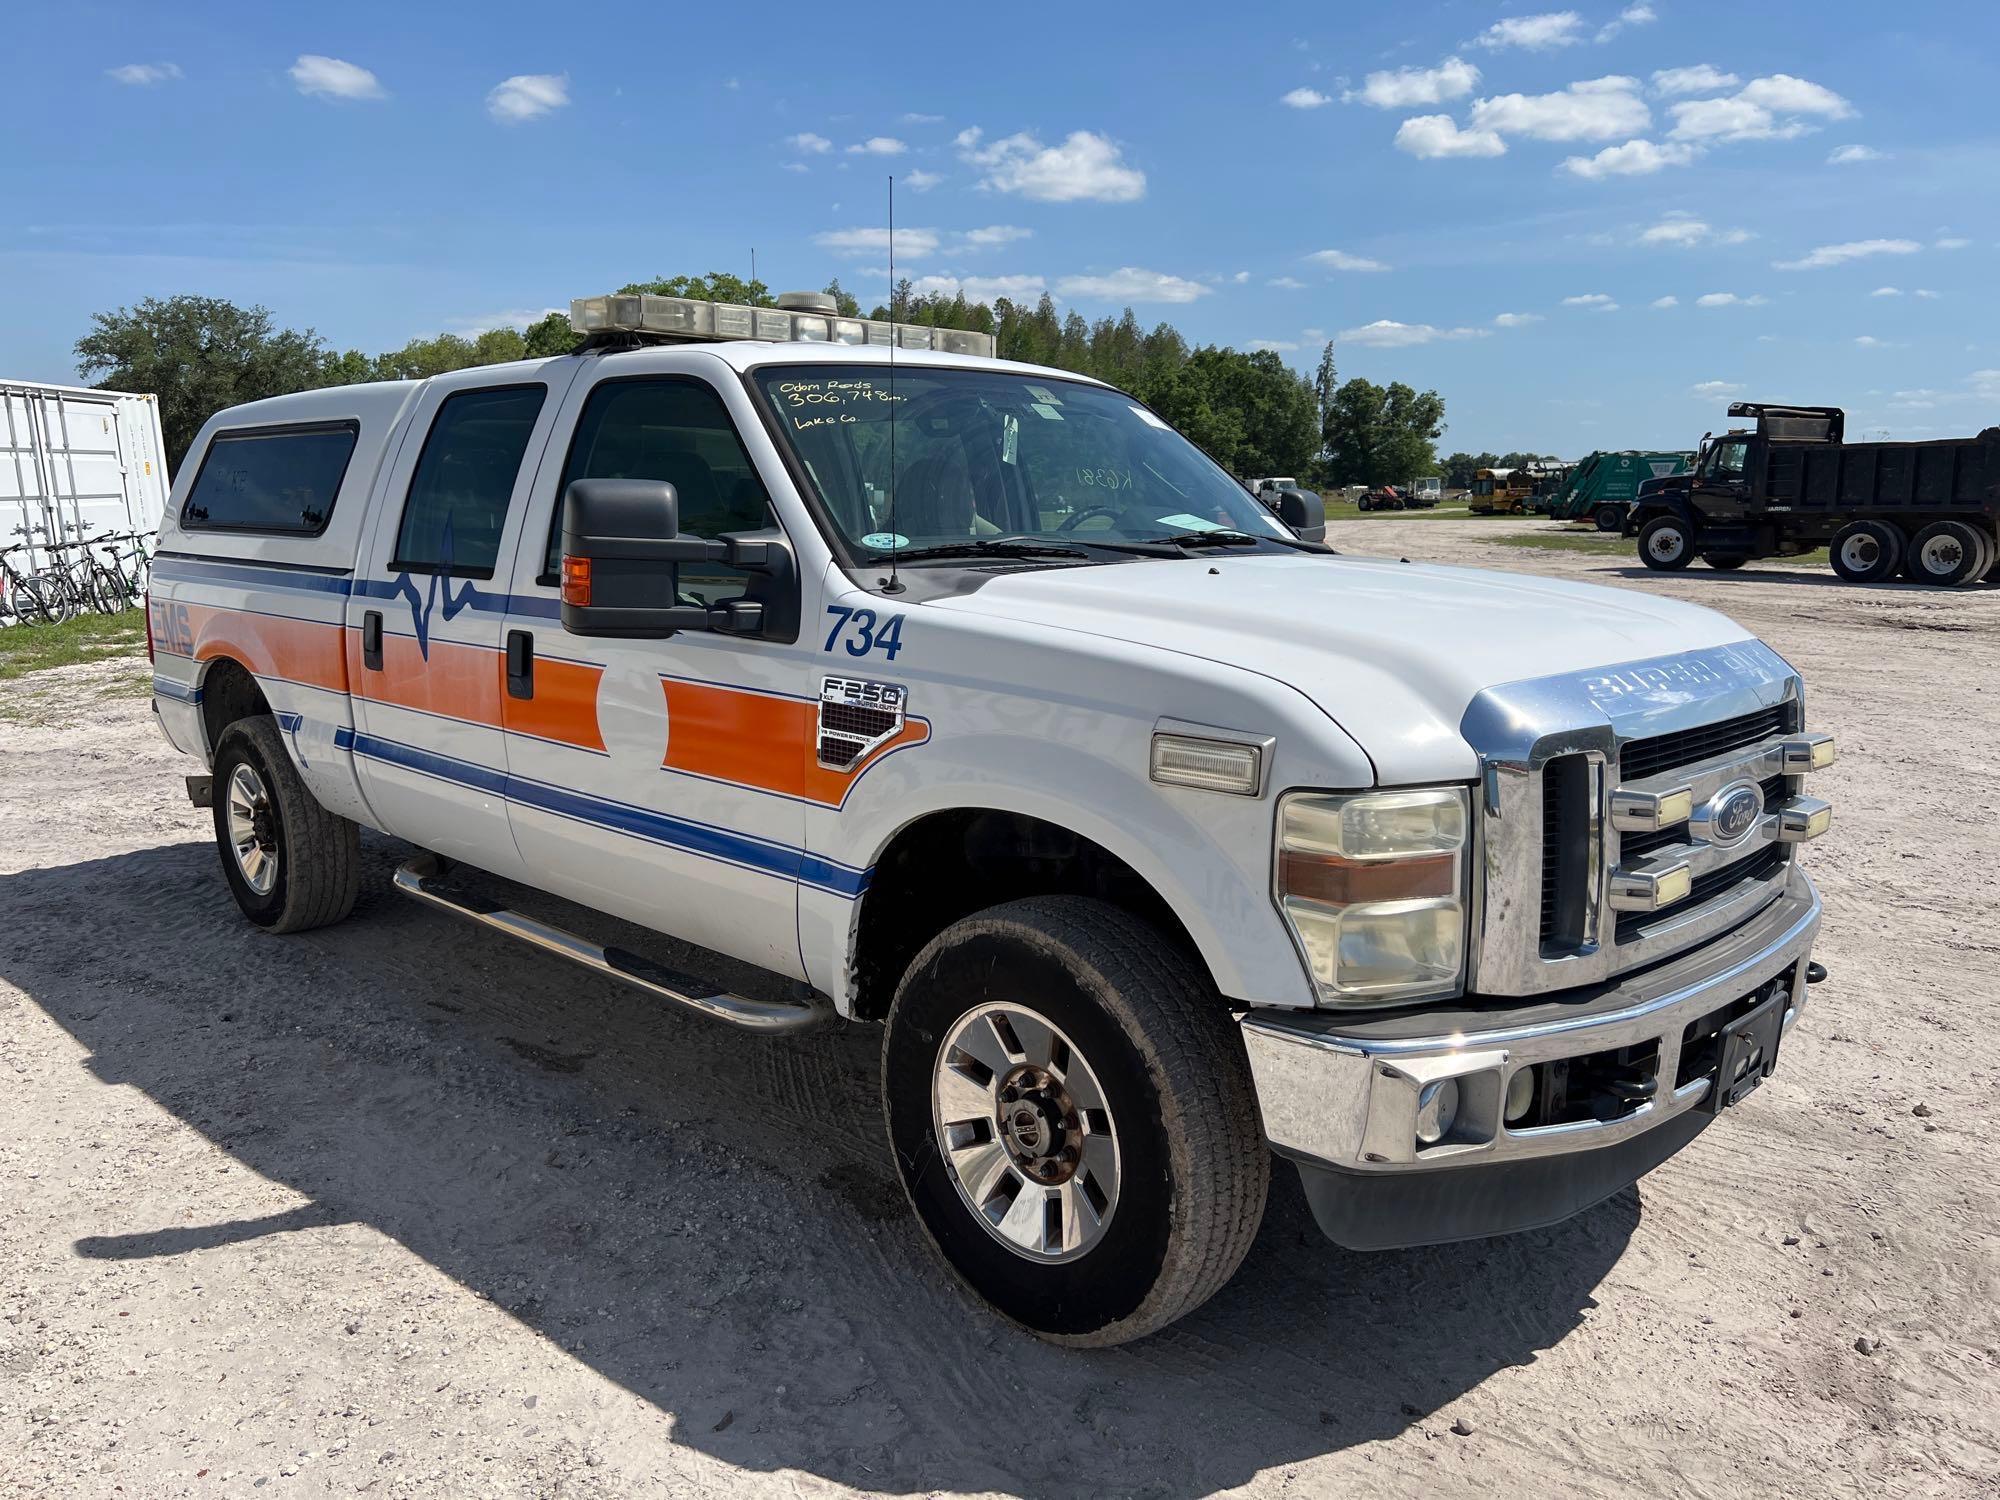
x=895, y=583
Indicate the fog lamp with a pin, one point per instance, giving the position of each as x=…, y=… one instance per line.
x=1520, y=1094
x=1437, y=1110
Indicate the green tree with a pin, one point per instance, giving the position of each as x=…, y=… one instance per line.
x=499, y=346
x=550, y=336
x=351, y=368
x=422, y=358
x=1382, y=435
x=716, y=286
x=197, y=355
x=843, y=300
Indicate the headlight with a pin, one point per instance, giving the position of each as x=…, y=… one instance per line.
x=1373, y=887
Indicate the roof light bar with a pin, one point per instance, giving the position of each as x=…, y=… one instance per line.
x=685, y=319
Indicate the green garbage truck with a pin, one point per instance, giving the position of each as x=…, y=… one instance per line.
x=1603, y=486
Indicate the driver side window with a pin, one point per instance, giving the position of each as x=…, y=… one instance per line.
x=1729, y=461
x=675, y=429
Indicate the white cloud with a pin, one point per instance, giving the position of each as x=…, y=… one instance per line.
x=1783, y=94
x=1711, y=390
x=1240, y=277
x=1595, y=109
x=1640, y=14
x=514, y=317
x=1869, y=341
x=144, y=73
x=1558, y=28
x=1132, y=284
x=1453, y=78
x=1287, y=283
x=917, y=119
x=1951, y=242
x=805, y=140
x=796, y=166
x=1842, y=156
x=878, y=145
x=920, y=181
x=1386, y=333
x=911, y=244
x=1084, y=167
x=982, y=288
x=1926, y=294
x=1737, y=119
x=1516, y=320
x=1730, y=299
x=1667, y=301
x=1429, y=136
x=1340, y=260
x=1276, y=346
x=1303, y=98
x=1312, y=333
x=1633, y=159
x=990, y=236
x=1887, y=291
x=1699, y=79
x=1595, y=301
x=1685, y=231
x=331, y=78
x=527, y=96
x=1836, y=255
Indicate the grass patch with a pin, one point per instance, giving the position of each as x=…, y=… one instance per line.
x=91, y=637
x=1563, y=541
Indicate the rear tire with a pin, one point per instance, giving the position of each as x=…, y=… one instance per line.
x=1989, y=554
x=1608, y=518
x=1725, y=562
x=290, y=864
x=1167, y=1168
x=1666, y=544
x=1945, y=554
x=1866, y=551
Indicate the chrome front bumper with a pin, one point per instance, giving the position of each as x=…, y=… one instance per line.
x=1339, y=1092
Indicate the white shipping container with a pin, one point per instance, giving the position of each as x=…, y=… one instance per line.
x=75, y=460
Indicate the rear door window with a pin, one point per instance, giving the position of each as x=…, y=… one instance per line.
x=274, y=479
x=464, y=479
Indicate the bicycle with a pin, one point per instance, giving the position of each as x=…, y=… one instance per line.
x=26, y=597
x=113, y=588
x=68, y=577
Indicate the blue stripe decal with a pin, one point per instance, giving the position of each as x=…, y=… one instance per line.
x=166, y=687
x=257, y=575
x=780, y=860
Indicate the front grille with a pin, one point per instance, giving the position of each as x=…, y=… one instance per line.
x=861, y=723
x=1765, y=863
x=1663, y=752
x=1566, y=870
x=1634, y=847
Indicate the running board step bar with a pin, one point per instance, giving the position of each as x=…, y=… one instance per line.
x=418, y=878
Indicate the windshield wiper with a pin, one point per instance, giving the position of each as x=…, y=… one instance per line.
x=1208, y=539
x=996, y=547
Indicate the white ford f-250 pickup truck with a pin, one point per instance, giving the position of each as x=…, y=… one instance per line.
x=972, y=700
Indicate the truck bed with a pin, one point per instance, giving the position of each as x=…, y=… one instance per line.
x=1952, y=474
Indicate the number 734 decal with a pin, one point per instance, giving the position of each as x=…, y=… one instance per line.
x=860, y=631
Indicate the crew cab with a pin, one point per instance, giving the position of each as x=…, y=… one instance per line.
x=970, y=700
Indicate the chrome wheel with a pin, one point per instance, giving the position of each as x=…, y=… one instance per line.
x=253, y=830
x=1026, y=1132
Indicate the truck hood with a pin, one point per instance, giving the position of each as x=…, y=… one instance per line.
x=1392, y=652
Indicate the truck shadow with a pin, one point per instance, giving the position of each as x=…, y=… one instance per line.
x=1821, y=577
x=709, y=1219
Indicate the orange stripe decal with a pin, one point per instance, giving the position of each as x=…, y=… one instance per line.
x=564, y=708
x=306, y=651
x=755, y=740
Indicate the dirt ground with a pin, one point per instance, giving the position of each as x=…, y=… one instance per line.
x=396, y=1209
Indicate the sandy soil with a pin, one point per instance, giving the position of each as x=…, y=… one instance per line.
x=392, y=1209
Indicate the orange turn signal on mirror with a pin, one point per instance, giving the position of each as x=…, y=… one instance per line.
x=576, y=580
x=1342, y=882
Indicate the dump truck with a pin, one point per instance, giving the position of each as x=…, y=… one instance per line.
x=1792, y=484
x=1602, y=487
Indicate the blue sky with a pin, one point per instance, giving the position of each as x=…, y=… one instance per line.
x=1492, y=200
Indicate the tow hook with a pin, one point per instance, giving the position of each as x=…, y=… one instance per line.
x=1815, y=973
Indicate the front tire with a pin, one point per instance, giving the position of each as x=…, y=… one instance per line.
x=290, y=864
x=1666, y=544
x=1609, y=518
x=1073, y=1120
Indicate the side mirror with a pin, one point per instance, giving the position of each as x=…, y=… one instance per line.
x=1293, y=511
x=622, y=553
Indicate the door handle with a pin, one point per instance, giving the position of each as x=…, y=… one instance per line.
x=520, y=664
x=371, y=640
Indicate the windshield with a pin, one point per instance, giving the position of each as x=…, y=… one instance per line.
x=980, y=455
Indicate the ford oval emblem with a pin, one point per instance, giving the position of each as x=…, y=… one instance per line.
x=1733, y=814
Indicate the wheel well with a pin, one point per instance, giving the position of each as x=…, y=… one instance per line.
x=948, y=865
x=228, y=693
